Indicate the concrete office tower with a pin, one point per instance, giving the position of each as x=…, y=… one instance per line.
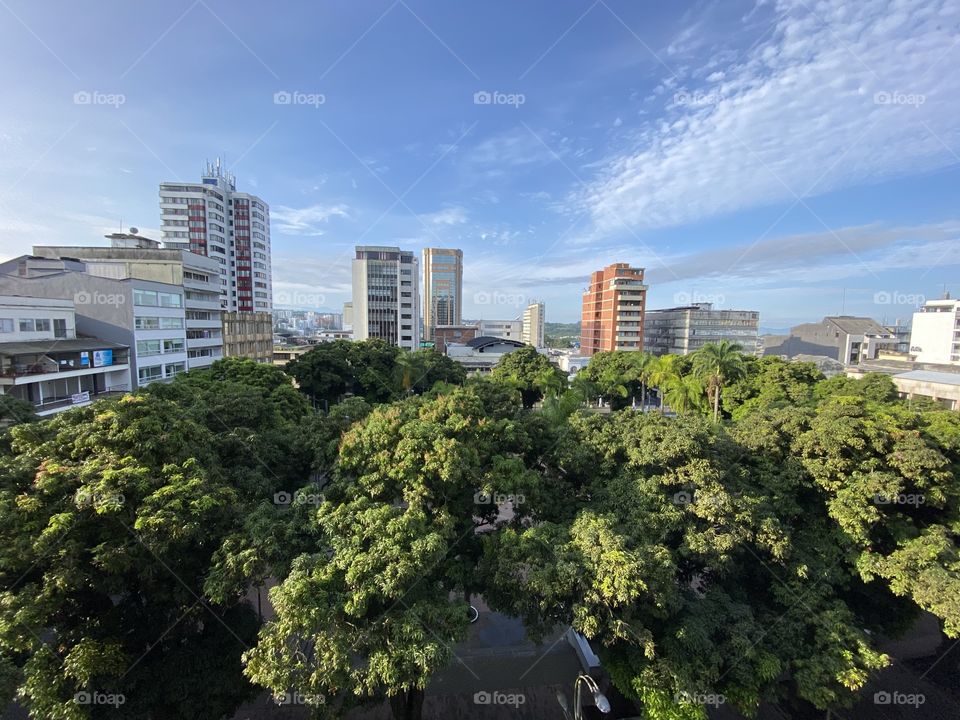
x=442, y=288
x=386, y=296
x=211, y=218
x=612, y=311
x=935, y=334
x=683, y=330
x=533, y=321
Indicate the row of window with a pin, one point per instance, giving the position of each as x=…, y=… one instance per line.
x=157, y=323
x=155, y=298
x=30, y=325
x=159, y=347
x=159, y=372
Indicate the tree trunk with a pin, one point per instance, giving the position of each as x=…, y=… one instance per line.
x=407, y=705
x=716, y=403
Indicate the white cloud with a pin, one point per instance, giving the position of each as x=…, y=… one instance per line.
x=306, y=221
x=454, y=215
x=802, y=114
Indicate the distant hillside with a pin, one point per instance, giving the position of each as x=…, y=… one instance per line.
x=561, y=335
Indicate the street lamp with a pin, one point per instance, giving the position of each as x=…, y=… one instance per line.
x=599, y=699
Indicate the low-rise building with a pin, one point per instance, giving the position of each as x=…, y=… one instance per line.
x=935, y=333
x=44, y=362
x=248, y=334
x=851, y=340
x=481, y=354
x=282, y=354
x=941, y=387
x=683, y=330
x=443, y=335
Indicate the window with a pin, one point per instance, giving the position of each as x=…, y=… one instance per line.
x=148, y=347
x=174, y=369
x=149, y=374
x=168, y=323
x=155, y=323
x=60, y=328
x=172, y=346
x=26, y=325
x=170, y=299
x=145, y=297
x=6, y=325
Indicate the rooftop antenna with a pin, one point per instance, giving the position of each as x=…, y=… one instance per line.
x=843, y=302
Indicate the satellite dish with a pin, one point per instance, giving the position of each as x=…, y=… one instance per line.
x=134, y=231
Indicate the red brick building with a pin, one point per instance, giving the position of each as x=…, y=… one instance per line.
x=613, y=308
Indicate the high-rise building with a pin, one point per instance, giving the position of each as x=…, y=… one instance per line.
x=442, y=288
x=683, y=330
x=533, y=321
x=612, y=311
x=935, y=334
x=211, y=218
x=386, y=296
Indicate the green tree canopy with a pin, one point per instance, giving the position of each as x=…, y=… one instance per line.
x=531, y=373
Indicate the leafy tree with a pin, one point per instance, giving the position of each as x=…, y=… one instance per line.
x=531, y=373
x=109, y=519
x=771, y=382
x=872, y=386
x=718, y=364
x=418, y=371
x=375, y=609
x=373, y=366
x=13, y=411
x=324, y=372
x=662, y=372
x=685, y=394
x=619, y=375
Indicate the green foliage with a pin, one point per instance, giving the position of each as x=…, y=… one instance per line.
x=718, y=365
x=531, y=373
x=14, y=411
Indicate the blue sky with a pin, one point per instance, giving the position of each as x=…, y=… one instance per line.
x=791, y=156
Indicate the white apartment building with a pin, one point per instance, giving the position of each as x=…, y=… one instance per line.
x=212, y=219
x=145, y=316
x=45, y=363
x=528, y=328
x=935, y=333
x=386, y=296
x=134, y=256
x=534, y=318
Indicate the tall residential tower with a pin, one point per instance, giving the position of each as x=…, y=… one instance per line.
x=211, y=218
x=613, y=308
x=386, y=296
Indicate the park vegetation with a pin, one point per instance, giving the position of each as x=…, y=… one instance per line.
x=713, y=524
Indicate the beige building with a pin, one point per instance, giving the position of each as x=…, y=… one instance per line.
x=248, y=334
x=534, y=318
x=935, y=333
x=942, y=387
x=683, y=330
x=442, y=288
x=386, y=295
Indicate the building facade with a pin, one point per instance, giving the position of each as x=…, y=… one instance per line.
x=248, y=334
x=386, y=296
x=935, y=333
x=212, y=219
x=442, y=288
x=613, y=310
x=134, y=256
x=683, y=330
x=43, y=362
x=481, y=354
x=850, y=340
x=145, y=316
x=444, y=335
x=534, y=319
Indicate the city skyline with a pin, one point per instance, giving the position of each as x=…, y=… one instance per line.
x=764, y=156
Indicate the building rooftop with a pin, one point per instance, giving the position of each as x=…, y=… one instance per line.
x=943, y=378
x=487, y=340
x=857, y=325
x=33, y=347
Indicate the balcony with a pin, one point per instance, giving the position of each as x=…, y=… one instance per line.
x=204, y=342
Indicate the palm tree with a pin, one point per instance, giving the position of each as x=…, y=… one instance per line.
x=684, y=393
x=662, y=371
x=643, y=363
x=718, y=364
